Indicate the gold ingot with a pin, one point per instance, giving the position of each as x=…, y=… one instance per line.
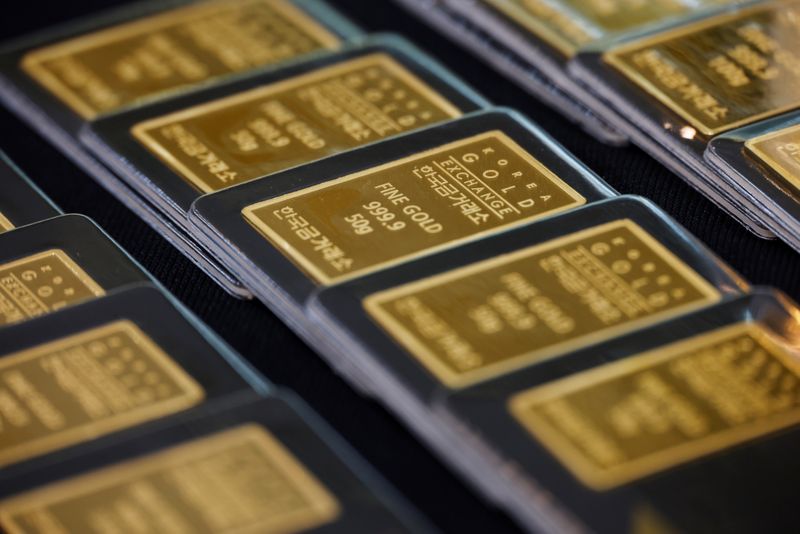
x=239, y=481
x=84, y=386
x=109, y=69
x=369, y=220
x=300, y=119
x=495, y=316
x=723, y=72
x=644, y=414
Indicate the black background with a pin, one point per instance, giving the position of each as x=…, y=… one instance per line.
x=271, y=346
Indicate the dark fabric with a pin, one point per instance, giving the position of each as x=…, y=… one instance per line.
x=262, y=339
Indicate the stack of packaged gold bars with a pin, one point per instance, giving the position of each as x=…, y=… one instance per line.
x=121, y=412
x=711, y=88
x=582, y=360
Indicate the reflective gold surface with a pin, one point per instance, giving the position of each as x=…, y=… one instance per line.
x=365, y=221
x=569, y=24
x=5, y=224
x=238, y=481
x=647, y=413
x=297, y=120
x=781, y=152
x=494, y=316
x=102, y=71
x=724, y=72
x=42, y=283
x=84, y=386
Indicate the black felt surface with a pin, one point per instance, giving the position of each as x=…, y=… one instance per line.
x=256, y=334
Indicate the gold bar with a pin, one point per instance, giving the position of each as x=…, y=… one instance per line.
x=369, y=220
x=241, y=480
x=492, y=317
x=634, y=417
x=84, y=386
x=305, y=118
x=723, y=72
x=106, y=70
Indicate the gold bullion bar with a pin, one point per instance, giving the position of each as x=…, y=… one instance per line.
x=42, y=283
x=723, y=72
x=780, y=151
x=108, y=69
x=625, y=420
x=5, y=224
x=492, y=317
x=362, y=222
x=84, y=386
x=237, y=481
x=294, y=121
x=567, y=25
